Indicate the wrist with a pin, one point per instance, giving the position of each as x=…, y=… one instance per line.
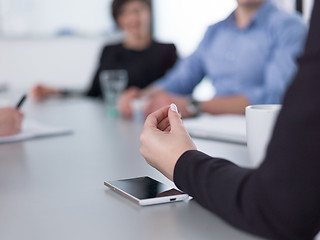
x=194, y=107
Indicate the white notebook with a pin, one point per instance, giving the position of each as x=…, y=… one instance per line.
x=228, y=127
x=32, y=129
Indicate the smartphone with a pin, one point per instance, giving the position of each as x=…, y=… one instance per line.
x=146, y=191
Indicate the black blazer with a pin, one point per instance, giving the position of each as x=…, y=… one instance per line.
x=143, y=67
x=281, y=199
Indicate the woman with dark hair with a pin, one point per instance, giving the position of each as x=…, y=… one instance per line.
x=144, y=59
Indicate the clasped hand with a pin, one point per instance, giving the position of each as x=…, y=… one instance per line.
x=164, y=139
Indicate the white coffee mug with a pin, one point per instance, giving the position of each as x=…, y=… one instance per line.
x=260, y=121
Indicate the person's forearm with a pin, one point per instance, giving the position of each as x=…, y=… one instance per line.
x=226, y=105
x=151, y=91
x=218, y=185
x=256, y=201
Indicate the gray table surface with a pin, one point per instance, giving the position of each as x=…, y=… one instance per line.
x=52, y=188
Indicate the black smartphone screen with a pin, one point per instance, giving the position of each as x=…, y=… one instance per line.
x=144, y=188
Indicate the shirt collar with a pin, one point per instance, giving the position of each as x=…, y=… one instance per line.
x=260, y=16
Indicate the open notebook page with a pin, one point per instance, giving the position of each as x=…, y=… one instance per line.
x=32, y=129
x=218, y=127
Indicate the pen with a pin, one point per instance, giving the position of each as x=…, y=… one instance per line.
x=21, y=101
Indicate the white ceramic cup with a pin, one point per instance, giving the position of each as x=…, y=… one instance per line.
x=260, y=121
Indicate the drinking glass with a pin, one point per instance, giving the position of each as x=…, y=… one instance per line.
x=112, y=83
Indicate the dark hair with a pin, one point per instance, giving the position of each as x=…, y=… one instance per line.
x=117, y=4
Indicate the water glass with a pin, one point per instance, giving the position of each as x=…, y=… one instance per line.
x=113, y=82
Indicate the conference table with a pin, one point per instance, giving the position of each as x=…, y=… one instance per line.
x=53, y=187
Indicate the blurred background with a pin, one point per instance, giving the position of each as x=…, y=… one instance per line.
x=57, y=42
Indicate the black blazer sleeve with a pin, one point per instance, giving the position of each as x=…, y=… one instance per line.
x=281, y=199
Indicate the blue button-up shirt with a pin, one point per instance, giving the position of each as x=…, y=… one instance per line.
x=257, y=62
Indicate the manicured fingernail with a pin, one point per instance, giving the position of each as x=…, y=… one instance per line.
x=174, y=108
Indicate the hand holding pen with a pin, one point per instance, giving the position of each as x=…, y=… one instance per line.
x=11, y=119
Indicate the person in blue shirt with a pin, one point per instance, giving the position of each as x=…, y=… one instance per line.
x=249, y=58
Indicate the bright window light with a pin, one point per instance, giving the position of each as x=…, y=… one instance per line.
x=184, y=22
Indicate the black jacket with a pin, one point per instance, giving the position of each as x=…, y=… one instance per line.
x=281, y=199
x=143, y=67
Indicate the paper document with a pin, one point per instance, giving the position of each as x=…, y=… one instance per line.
x=32, y=129
x=218, y=127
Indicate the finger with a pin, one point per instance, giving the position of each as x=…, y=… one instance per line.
x=38, y=92
x=168, y=129
x=174, y=117
x=155, y=118
x=20, y=115
x=38, y=89
x=164, y=124
x=34, y=92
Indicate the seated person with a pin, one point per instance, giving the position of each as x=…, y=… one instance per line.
x=144, y=59
x=249, y=58
x=280, y=199
x=10, y=121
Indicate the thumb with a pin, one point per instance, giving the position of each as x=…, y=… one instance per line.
x=174, y=117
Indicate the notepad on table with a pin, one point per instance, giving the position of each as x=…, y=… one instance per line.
x=32, y=129
x=228, y=127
